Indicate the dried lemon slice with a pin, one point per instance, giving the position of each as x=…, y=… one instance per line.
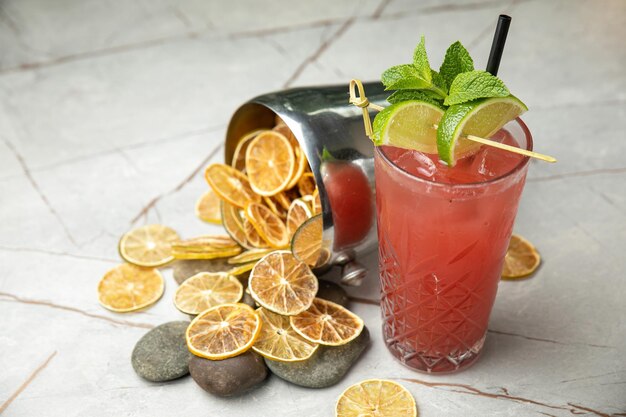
x=282, y=284
x=521, y=259
x=298, y=213
x=301, y=161
x=253, y=237
x=128, y=288
x=230, y=185
x=239, y=156
x=148, y=246
x=241, y=269
x=270, y=163
x=208, y=208
x=206, y=290
x=306, y=243
x=327, y=323
x=269, y=226
x=376, y=397
x=282, y=200
x=251, y=255
x=232, y=221
x=279, y=342
x=306, y=184
x=205, y=247
x=276, y=209
x=223, y=331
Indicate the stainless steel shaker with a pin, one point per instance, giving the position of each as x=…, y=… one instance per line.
x=324, y=123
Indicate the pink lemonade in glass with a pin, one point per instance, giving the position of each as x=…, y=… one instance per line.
x=443, y=234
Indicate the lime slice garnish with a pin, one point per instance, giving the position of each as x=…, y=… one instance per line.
x=482, y=118
x=408, y=124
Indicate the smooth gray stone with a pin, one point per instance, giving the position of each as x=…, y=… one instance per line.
x=162, y=354
x=333, y=292
x=247, y=299
x=184, y=269
x=228, y=377
x=326, y=367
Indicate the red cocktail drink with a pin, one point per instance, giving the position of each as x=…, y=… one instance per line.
x=443, y=234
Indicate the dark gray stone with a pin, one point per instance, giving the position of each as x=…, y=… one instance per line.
x=162, y=354
x=325, y=368
x=332, y=292
x=247, y=299
x=184, y=269
x=228, y=377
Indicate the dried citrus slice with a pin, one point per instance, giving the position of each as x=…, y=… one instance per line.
x=270, y=163
x=298, y=213
x=207, y=242
x=282, y=284
x=276, y=209
x=327, y=323
x=232, y=220
x=129, y=288
x=301, y=161
x=269, y=226
x=376, y=397
x=317, y=204
x=282, y=200
x=249, y=256
x=253, y=237
x=223, y=331
x=241, y=268
x=306, y=243
x=148, y=246
x=206, y=290
x=205, y=247
x=306, y=184
x=521, y=259
x=239, y=156
x=230, y=185
x=279, y=342
x=208, y=208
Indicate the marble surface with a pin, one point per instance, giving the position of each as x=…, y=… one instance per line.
x=109, y=110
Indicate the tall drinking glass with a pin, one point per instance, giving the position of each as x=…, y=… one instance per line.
x=443, y=234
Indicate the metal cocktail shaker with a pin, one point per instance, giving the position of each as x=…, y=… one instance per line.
x=322, y=120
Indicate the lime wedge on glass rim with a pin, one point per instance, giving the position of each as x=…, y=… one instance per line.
x=408, y=124
x=482, y=118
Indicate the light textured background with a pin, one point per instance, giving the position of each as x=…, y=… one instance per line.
x=109, y=110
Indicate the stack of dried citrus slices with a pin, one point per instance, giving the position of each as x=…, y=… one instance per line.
x=270, y=208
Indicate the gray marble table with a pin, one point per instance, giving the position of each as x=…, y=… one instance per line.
x=109, y=110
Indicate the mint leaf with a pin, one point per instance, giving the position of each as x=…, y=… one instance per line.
x=404, y=95
x=471, y=85
x=404, y=76
x=440, y=86
x=456, y=61
x=420, y=61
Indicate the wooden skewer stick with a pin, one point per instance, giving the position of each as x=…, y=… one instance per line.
x=509, y=148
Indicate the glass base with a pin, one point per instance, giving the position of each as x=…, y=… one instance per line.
x=427, y=363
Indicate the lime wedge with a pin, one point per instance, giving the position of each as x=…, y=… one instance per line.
x=408, y=124
x=481, y=118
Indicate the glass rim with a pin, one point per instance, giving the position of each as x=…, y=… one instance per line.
x=523, y=162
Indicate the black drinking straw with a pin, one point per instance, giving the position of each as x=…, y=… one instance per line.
x=497, y=46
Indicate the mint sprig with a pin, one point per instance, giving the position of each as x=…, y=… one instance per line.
x=456, y=61
x=456, y=82
x=415, y=76
x=472, y=85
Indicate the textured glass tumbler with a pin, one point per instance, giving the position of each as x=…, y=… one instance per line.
x=441, y=252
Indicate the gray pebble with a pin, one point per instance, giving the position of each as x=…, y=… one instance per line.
x=332, y=292
x=184, y=269
x=162, y=354
x=326, y=367
x=247, y=299
x=228, y=377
